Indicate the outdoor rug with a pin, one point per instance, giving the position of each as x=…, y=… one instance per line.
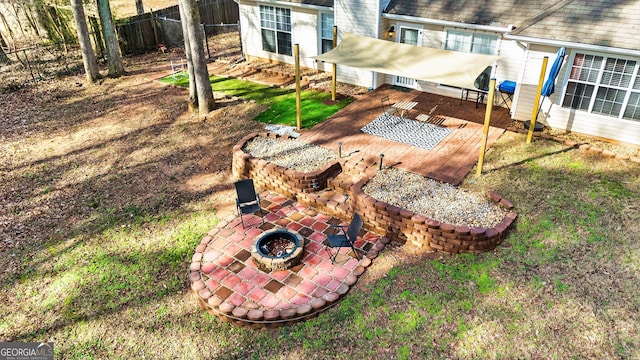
x=407, y=131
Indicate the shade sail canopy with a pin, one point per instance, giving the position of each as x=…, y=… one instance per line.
x=446, y=67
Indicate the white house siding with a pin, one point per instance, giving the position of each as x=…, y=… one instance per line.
x=250, y=28
x=554, y=115
x=512, y=56
x=360, y=17
x=528, y=80
x=304, y=32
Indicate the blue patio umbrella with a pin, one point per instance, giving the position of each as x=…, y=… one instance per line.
x=549, y=84
x=548, y=87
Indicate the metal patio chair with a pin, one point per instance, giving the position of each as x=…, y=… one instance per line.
x=386, y=106
x=247, y=201
x=344, y=239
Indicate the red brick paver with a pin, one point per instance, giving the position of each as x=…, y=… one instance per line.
x=223, y=266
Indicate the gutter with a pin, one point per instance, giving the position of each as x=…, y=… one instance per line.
x=574, y=45
x=498, y=29
x=296, y=5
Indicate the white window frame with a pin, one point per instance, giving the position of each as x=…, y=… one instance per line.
x=470, y=42
x=325, y=34
x=276, y=21
x=599, y=91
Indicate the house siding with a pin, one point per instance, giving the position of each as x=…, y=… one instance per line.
x=360, y=17
x=304, y=32
x=528, y=79
x=512, y=56
x=553, y=114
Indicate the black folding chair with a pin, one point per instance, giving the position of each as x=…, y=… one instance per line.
x=248, y=201
x=345, y=239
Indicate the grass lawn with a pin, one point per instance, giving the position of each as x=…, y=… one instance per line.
x=105, y=191
x=315, y=106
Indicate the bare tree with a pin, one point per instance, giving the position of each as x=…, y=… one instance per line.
x=11, y=44
x=88, y=57
x=194, y=39
x=116, y=69
x=193, y=93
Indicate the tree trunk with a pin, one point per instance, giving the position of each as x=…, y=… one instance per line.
x=5, y=41
x=88, y=57
x=116, y=69
x=193, y=92
x=198, y=61
x=40, y=19
x=97, y=36
x=139, y=7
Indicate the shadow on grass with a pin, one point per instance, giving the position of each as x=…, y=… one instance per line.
x=315, y=106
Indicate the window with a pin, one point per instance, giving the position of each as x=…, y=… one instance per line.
x=604, y=85
x=475, y=43
x=410, y=36
x=471, y=42
x=275, y=24
x=326, y=32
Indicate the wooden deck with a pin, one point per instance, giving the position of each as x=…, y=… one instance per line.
x=450, y=161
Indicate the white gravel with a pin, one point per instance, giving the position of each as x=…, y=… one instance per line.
x=290, y=153
x=433, y=199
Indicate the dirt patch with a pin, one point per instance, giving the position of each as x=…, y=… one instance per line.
x=76, y=159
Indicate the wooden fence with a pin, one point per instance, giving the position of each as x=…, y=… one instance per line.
x=142, y=33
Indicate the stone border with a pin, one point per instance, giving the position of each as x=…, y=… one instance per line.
x=403, y=225
x=400, y=225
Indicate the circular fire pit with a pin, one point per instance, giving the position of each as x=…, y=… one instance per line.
x=278, y=249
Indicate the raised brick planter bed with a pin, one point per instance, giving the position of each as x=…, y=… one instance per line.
x=406, y=226
x=270, y=176
x=340, y=196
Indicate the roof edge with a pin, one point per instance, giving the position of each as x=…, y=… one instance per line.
x=296, y=5
x=498, y=29
x=573, y=45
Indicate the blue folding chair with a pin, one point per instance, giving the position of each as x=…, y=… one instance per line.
x=507, y=88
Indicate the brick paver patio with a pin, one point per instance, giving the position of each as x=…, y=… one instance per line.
x=229, y=284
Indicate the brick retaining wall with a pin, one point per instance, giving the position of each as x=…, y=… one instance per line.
x=339, y=192
x=270, y=176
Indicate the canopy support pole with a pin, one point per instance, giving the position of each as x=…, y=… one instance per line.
x=487, y=121
x=534, y=114
x=333, y=66
x=296, y=54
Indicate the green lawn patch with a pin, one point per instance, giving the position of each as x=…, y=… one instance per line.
x=315, y=106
